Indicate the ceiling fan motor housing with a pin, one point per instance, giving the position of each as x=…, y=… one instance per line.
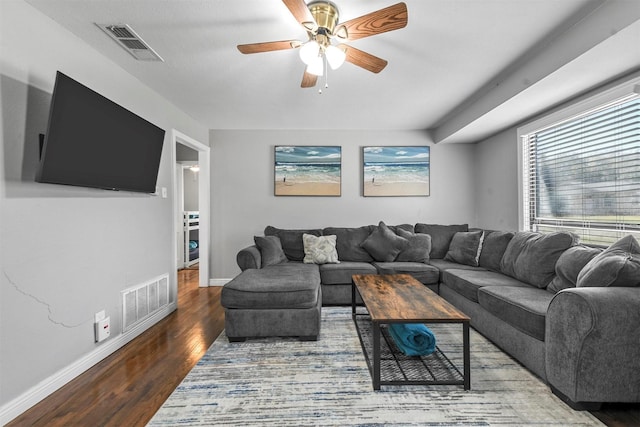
x=325, y=14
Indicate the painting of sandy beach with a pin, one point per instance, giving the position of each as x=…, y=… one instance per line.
x=308, y=170
x=396, y=171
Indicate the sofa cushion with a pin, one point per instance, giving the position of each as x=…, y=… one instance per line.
x=291, y=240
x=348, y=242
x=468, y=282
x=383, y=244
x=339, y=274
x=288, y=285
x=465, y=247
x=319, y=249
x=618, y=265
x=531, y=257
x=524, y=308
x=443, y=265
x=270, y=250
x=569, y=265
x=441, y=236
x=418, y=248
x=424, y=273
x=493, y=247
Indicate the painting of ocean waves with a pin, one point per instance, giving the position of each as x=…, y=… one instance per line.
x=308, y=170
x=396, y=171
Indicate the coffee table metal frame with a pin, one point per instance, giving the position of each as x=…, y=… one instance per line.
x=374, y=368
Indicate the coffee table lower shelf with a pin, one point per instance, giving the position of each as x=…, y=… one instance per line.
x=398, y=369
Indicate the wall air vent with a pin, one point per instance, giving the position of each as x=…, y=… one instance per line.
x=124, y=35
x=141, y=301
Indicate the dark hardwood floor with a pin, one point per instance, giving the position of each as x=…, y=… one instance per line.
x=129, y=386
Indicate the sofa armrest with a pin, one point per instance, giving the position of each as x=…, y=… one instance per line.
x=592, y=350
x=249, y=257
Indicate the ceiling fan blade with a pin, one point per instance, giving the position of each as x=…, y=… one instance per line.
x=300, y=11
x=268, y=46
x=308, y=80
x=383, y=20
x=363, y=59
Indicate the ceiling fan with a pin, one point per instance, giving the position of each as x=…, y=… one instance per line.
x=320, y=19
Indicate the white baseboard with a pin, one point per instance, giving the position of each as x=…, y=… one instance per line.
x=44, y=388
x=218, y=282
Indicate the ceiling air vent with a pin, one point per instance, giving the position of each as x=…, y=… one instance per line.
x=130, y=41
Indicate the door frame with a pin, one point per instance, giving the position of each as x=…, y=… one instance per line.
x=204, y=204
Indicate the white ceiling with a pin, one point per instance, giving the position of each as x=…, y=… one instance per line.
x=462, y=69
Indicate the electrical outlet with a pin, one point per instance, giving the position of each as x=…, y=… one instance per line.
x=103, y=329
x=99, y=316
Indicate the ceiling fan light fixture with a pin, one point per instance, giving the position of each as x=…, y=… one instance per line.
x=316, y=67
x=309, y=52
x=335, y=56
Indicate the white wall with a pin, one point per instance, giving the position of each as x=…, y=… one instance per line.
x=242, y=183
x=496, y=181
x=67, y=252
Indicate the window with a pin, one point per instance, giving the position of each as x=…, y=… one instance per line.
x=583, y=174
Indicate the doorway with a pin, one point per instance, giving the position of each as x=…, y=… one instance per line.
x=191, y=206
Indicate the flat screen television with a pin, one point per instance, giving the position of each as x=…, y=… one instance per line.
x=93, y=142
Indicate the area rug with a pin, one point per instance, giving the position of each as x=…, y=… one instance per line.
x=287, y=382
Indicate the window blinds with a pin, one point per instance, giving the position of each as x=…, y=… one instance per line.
x=583, y=175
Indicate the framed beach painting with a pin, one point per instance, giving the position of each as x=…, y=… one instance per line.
x=396, y=171
x=302, y=170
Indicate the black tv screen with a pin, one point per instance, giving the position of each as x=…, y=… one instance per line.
x=94, y=142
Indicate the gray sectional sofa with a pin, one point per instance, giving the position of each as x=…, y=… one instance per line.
x=568, y=312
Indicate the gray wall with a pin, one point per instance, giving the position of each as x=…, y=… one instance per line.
x=242, y=185
x=190, y=180
x=496, y=181
x=67, y=252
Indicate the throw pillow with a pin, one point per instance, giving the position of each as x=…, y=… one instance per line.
x=383, y=244
x=441, y=236
x=531, y=257
x=493, y=247
x=270, y=250
x=465, y=247
x=618, y=265
x=569, y=265
x=418, y=248
x=319, y=249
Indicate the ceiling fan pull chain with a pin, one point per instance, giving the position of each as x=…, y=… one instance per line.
x=326, y=75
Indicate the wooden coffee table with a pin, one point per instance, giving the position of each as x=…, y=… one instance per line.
x=399, y=298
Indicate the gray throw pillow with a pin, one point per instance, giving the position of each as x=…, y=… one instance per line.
x=383, y=244
x=441, y=236
x=465, y=247
x=418, y=248
x=291, y=240
x=531, y=257
x=618, y=265
x=270, y=250
x=569, y=265
x=493, y=247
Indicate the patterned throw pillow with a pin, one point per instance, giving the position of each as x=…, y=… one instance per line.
x=319, y=249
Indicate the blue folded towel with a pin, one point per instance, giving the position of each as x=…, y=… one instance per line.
x=193, y=244
x=413, y=339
